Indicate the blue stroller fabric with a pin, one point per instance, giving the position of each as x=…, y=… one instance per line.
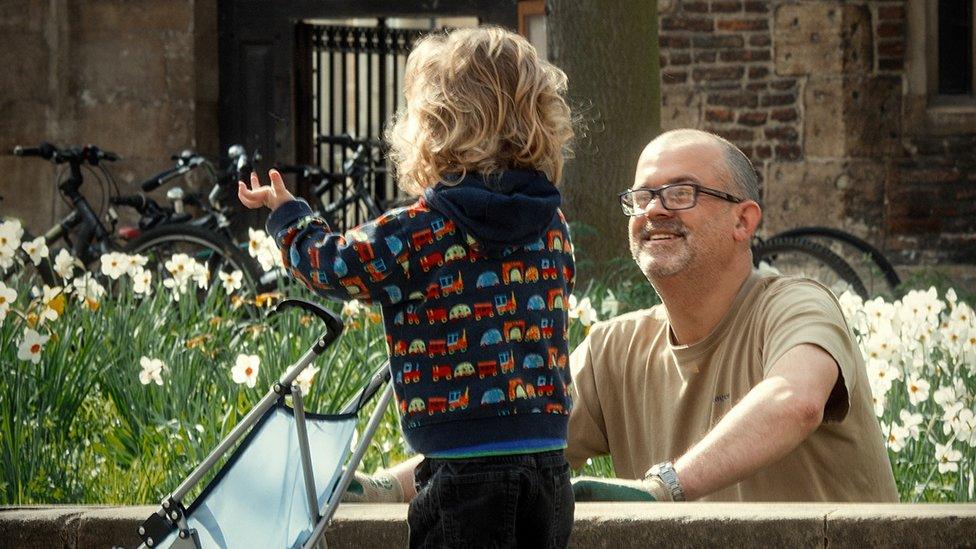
x=258, y=498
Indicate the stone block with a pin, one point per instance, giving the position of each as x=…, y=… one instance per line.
x=931, y=525
x=852, y=117
x=29, y=191
x=843, y=194
x=109, y=16
x=23, y=17
x=26, y=61
x=614, y=525
x=139, y=129
x=681, y=107
x=111, y=526
x=822, y=38
x=31, y=527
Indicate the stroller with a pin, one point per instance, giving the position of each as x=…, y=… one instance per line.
x=263, y=496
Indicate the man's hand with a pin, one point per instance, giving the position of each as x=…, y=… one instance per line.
x=260, y=195
x=606, y=489
x=381, y=487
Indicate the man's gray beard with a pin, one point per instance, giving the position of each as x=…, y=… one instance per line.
x=659, y=270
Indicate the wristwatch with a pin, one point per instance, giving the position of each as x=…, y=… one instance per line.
x=665, y=471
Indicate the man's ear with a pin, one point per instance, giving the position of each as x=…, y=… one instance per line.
x=748, y=215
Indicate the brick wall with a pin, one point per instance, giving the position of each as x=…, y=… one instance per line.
x=816, y=94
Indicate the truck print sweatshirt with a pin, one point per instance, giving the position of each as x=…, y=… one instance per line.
x=473, y=280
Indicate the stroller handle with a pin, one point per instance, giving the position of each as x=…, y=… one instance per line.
x=332, y=322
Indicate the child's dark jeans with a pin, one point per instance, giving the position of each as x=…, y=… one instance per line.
x=503, y=501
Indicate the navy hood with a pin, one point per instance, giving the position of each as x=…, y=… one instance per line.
x=510, y=208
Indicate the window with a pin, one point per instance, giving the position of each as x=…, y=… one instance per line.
x=940, y=68
x=951, y=78
x=532, y=24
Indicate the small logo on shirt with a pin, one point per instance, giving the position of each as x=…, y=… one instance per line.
x=721, y=398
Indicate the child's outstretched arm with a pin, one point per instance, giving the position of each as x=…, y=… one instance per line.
x=369, y=263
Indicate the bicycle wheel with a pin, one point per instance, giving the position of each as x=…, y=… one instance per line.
x=204, y=246
x=871, y=265
x=801, y=257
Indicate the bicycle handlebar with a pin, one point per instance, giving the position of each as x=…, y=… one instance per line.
x=89, y=153
x=157, y=180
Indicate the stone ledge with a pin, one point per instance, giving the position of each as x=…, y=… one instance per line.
x=597, y=525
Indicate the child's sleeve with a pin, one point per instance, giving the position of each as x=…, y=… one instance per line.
x=369, y=263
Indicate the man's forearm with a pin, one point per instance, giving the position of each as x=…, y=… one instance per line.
x=404, y=474
x=761, y=429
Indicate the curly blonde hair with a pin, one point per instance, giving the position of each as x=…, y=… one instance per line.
x=478, y=100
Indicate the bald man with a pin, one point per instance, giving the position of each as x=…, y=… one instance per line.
x=739, y=386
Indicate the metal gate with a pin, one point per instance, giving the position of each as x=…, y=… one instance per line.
x=357, y=75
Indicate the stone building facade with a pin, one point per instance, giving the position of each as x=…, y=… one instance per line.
x=833, y=102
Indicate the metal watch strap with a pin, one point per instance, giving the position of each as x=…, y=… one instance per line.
x=665, y=471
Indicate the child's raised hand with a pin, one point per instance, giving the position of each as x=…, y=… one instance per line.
x=262, y=195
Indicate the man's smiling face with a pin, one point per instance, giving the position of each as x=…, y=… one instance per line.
x=663, y=242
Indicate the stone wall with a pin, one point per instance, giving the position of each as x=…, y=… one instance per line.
x=610, y=525
x=819, y=94
x=136, y=77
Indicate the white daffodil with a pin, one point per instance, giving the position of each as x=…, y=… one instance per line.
x=246, y=370
x=610, y=306
x=135, y=264
x=231, y=281
x=881, y=375
x=88, y=290
x=912, y=422
x=255, y=241
x=201, y=275
x=64, y=264
x=852, y=306
x=944, y=396
x=897, y=435
x=918, y=390
x=352, y=308
x=114, y=265
x=10, y=234
x=36, y=249
x=142, y=281
x=304, y=379
x=31, y=346
x=879, y=403
x=152, y=370
x=7, y=297
x=951, y=297
x=947, y=457
x=582, y=310
x=52, y=302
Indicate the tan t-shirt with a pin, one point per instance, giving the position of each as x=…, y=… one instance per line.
x=644, y=400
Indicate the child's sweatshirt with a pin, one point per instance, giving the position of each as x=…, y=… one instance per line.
x=473, y=280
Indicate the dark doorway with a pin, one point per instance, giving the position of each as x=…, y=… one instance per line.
x=265, y=55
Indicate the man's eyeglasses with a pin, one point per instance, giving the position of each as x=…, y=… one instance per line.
x=677, y=196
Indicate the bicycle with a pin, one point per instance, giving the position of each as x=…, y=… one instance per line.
x=871, y=265
x=802, y=257
x=89, y=239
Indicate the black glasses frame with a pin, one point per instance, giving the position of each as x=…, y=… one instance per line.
x=657, y=193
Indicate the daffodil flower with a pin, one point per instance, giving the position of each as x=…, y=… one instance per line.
x=7, y=297
x=231, y=281
x=36, y=249
x=152, y=370
x=31, y=346
x=245, y=370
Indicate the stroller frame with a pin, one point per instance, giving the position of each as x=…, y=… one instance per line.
x=172, y=514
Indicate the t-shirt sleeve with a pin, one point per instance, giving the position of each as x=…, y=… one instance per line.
x=587, y=430
x=804, y=312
